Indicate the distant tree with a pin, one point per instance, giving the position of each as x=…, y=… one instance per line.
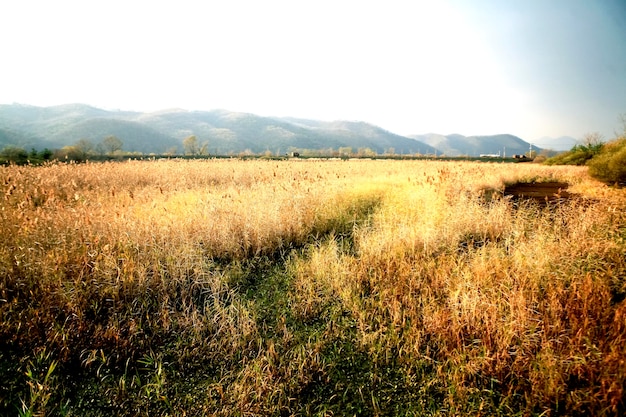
x=70, y=153
x=592, y=140
x=171, y=151
x=190, y=143
x=84, y=147
x=345, y=151
x=204, y=149
x=46, y=154
x=20, y=156
x=326, y=152
x=543, y=156
x=368, y=152
x=112, y=144
x=100, y=149
x=14, y=154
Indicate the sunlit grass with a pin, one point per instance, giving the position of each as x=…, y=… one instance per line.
x=309, y=287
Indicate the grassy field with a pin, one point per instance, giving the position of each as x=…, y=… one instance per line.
x=229, y=287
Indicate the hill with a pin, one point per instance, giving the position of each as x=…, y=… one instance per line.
x=562, y=143
x=459, y=145
x=136, y=137
x=225, y=132
x=365, y=135
x=9, y=137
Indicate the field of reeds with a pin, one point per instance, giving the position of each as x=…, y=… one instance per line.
x=229, y=287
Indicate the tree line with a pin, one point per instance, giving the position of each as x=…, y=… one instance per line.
x=82, y=150
x=606, y=160
x=112, y=147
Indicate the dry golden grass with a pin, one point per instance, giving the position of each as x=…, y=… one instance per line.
x=309, y=287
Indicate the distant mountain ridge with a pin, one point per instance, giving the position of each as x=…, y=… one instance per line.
x=459, y=145
x=224, y=132
x=562, y=143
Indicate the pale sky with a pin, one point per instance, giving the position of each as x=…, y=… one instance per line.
x=531, y=68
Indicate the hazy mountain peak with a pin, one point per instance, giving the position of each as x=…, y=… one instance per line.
x=561, y=143
x=228, y=132
x=458, y=145
x=168, y=111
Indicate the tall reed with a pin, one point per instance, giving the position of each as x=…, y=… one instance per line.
x=309, y=287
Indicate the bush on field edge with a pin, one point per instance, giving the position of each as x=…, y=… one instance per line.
x=610, y=164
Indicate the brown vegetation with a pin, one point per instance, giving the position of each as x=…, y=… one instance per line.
x=309, y=287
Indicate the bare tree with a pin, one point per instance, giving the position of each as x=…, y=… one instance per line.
x=592, y=140
x=191, y=145
x=622, y=119
x=84, y=147
x=112, y=144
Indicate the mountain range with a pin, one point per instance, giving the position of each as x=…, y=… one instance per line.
x=459, y=145
x=562, y=143
x=225, y=132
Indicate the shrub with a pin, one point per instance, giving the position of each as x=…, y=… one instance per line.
x=13, y=154
x=578, y=155
x=610, y=165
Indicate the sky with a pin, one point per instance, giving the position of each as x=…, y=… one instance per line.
x=532, y=68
